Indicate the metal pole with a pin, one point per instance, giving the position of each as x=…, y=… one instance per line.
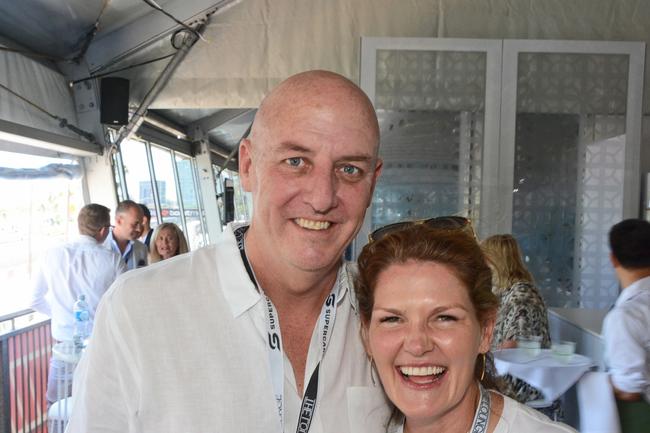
x=138, y=117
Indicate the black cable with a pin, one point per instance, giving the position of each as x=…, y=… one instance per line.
x=63, y=123
x=90, y=35
x=176, y=20
x=146, y=62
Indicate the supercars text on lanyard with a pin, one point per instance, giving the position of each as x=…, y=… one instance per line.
x=274, y=347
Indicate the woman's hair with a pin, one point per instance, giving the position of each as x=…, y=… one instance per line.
x=154, y=256
x=454, y=249
x=503, y=253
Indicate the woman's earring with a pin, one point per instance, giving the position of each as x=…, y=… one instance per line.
x=483, y=371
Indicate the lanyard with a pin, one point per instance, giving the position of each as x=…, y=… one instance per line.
x=482, y=415
x=128, y=253
x=274, y=348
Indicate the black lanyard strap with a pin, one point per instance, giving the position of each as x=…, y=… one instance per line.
x=308, y=406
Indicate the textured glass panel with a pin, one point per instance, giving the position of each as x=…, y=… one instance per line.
x=569, y=169
x=431, y=113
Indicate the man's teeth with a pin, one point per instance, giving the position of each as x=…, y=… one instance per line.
x=311, y=224
x=421, y=371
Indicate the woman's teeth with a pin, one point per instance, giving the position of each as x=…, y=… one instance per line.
x=421, y=371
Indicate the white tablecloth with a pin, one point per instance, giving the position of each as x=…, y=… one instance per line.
x=544, y=372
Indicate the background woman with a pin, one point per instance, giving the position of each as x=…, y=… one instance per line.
x=167, y=241
x=427, y=313
x=522, y=311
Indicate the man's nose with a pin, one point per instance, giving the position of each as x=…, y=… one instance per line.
x=417, y=340
x=321, y=189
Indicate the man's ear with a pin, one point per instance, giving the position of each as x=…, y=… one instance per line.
x=375, y=175
x=102, y=234
x=245, y=158
x=614, y=260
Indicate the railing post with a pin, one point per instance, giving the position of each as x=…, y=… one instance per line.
x=5, y=418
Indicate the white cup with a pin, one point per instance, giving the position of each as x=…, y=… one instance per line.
x=532, y=345
x=563, y=350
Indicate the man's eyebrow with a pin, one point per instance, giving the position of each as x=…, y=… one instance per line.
x=295, y=147
x=362, y=158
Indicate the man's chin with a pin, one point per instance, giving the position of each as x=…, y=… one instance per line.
x=314, y=262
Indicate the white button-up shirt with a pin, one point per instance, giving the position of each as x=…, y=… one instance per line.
x=82, y=266
x=626, y=330
x=136, y=254
x=181, y=346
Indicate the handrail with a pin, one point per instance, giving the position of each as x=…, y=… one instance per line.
x=15, y=314
x=26, y=325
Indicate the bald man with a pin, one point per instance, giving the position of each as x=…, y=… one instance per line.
x=259, y=332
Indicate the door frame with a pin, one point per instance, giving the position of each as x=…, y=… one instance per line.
x=493, y=67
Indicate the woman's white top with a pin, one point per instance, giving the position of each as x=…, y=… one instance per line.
x=515, y=418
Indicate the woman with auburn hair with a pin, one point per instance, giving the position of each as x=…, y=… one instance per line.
x=427, y=316
x=522, y=311
x=167, y=241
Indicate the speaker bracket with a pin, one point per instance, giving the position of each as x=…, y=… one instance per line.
x=85, y=97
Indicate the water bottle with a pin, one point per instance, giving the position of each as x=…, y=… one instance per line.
x=81, y=323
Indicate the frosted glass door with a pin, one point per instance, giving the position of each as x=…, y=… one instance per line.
x=570, y=129
x=437, y=104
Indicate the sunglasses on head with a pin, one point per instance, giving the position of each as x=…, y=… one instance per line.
x=443, y=222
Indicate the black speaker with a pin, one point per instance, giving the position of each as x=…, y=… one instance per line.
x=229, y=201
x=114, y=101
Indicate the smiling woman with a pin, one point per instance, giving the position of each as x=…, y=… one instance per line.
x=428, y=314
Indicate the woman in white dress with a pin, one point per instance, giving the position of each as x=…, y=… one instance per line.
x=428, y=313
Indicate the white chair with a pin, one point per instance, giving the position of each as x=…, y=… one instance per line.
x=59, y=412
x=597, y=405
x=58, y=415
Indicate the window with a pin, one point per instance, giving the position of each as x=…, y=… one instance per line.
x=41, y=198
x=190, y=199
x=137, y=176
x=242, y=200
x=166, y=181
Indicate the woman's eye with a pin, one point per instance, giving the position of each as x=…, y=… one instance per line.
x=389, y=319
x=294, y=162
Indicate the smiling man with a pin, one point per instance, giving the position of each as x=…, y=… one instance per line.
x=259, y=332
x=123, y=239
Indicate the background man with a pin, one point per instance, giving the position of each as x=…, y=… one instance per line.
x=258, y=333
x=82, y=266
x=147, y=231
x=627, y=325
x=123, y=239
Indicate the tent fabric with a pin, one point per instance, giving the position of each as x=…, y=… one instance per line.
x=255, y=44
x=39, y=84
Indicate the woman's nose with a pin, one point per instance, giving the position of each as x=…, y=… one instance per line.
x=417, y=340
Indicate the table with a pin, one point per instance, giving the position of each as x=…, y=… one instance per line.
x=552, y=377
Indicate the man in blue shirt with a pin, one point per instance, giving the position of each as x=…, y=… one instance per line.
x=123, y=239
